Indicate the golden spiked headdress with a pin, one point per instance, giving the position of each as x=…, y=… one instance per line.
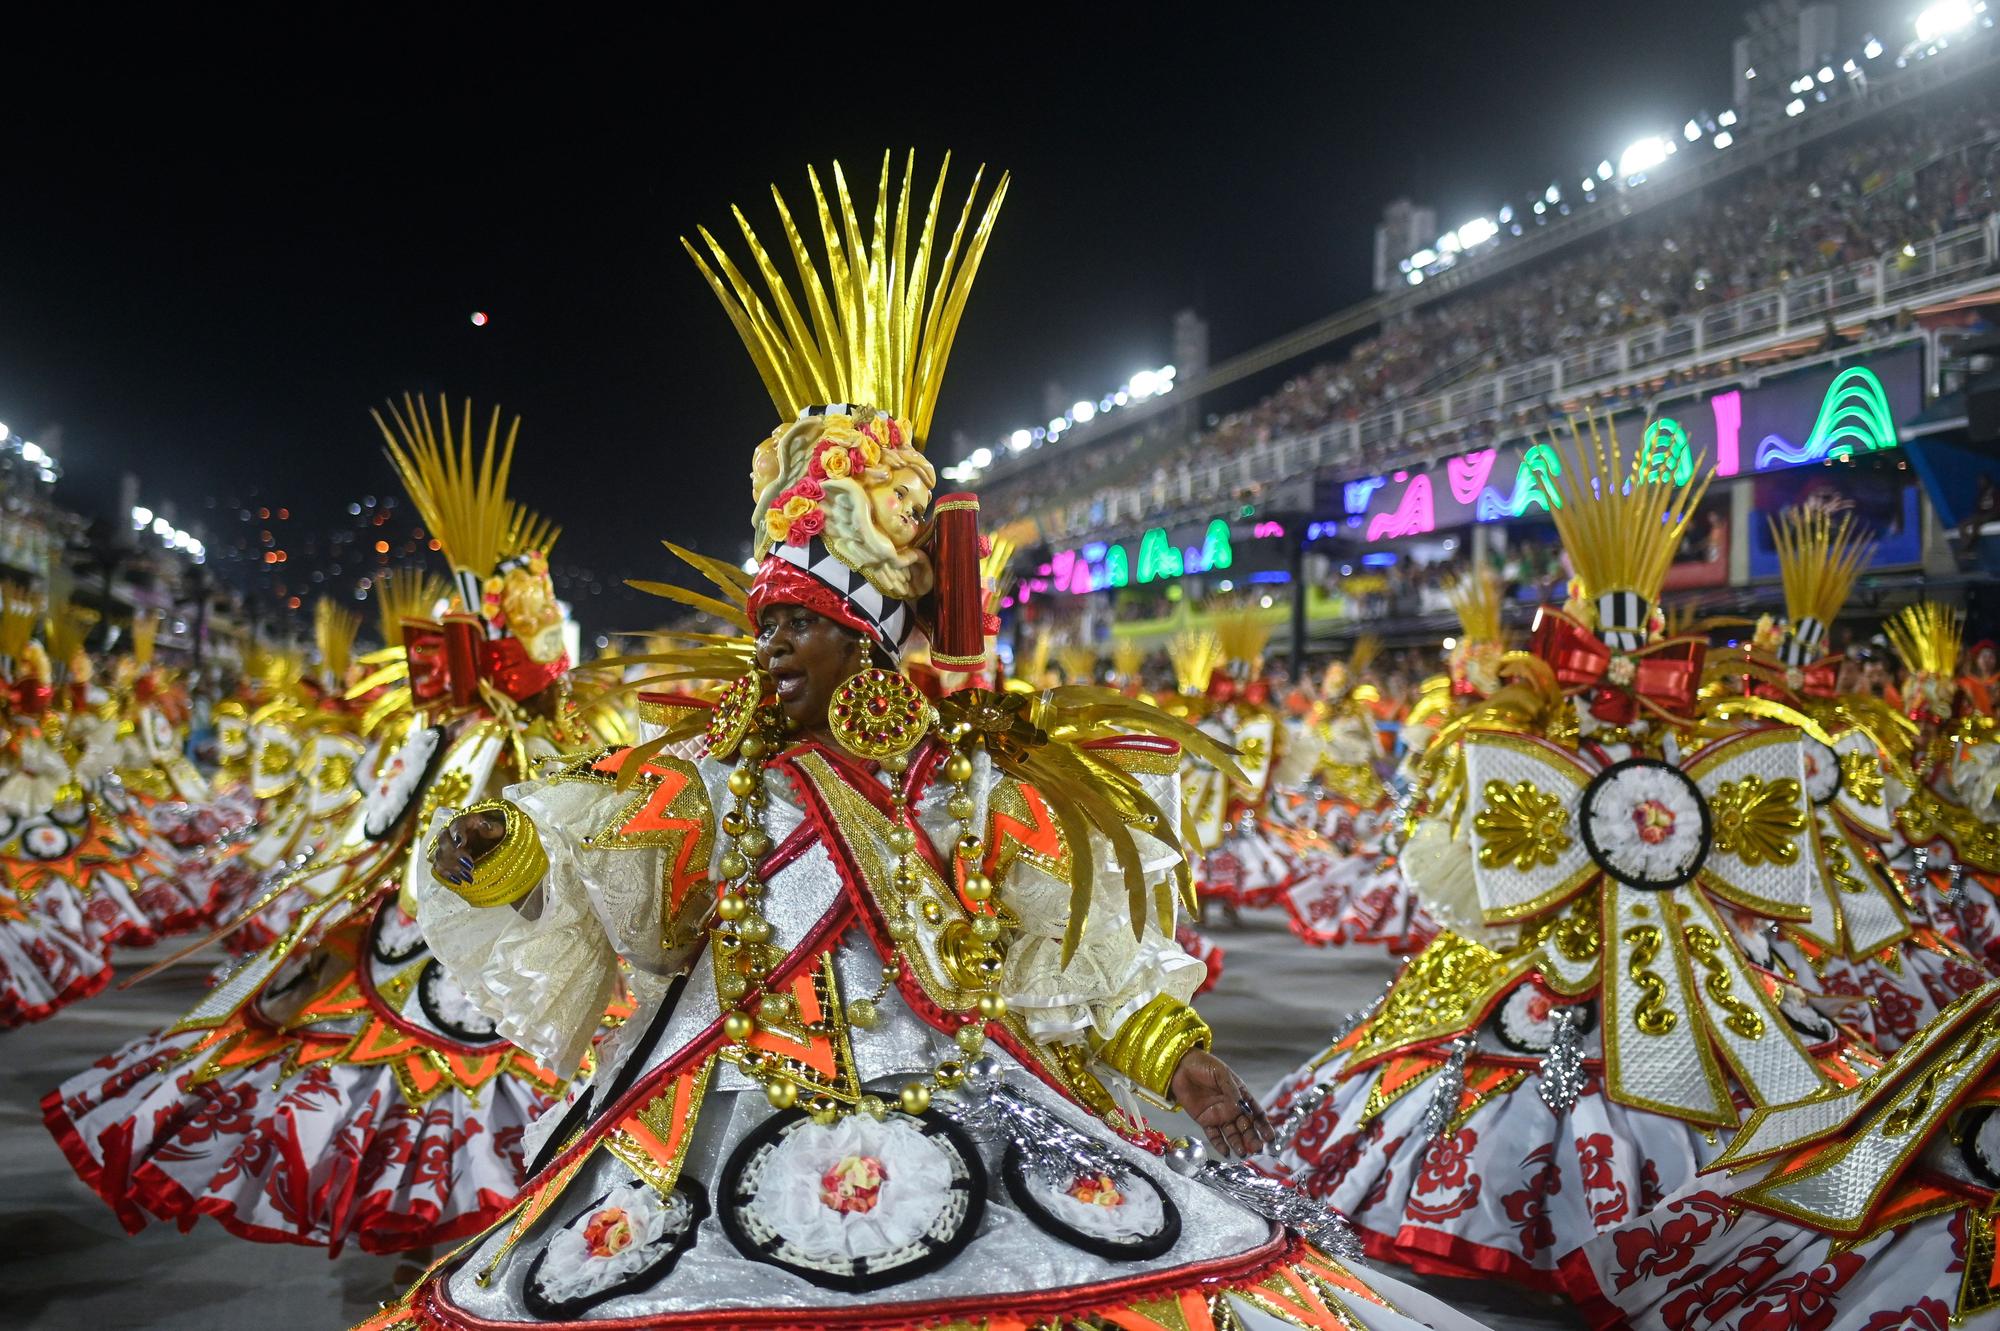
x=334, y=629
x=1195, y=656
x=1927, y=636
x=1244, y=633
x=462, y=497
x=877, y=327
x=1079, y=662
x=1621, y=522
x=1819, y=560
x=1127, y=659
x=18, y=615
x=1477, y=599
x=407, y=593
x=145, y=635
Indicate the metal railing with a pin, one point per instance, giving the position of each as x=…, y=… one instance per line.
x=1871, y=289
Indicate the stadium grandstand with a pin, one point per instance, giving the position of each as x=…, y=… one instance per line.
x=1802, y=288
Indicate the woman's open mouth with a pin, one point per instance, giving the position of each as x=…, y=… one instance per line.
x=789, y=683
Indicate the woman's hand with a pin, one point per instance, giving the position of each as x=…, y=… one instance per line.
x=1215, y=1097
x=463, y=842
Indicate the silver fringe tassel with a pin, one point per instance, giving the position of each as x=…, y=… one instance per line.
x=1562, y=1065
x=1284, y=1205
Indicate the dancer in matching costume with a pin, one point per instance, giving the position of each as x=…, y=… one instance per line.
x=338, y=1086
x=1865, y=1209
x=1870, y=948
x=905, y=966
x=1574, y=1057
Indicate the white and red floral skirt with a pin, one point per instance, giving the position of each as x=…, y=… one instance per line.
x=1699, y=1263
x=358, y=1096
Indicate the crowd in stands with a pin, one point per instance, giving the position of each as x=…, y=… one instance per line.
x=1901, y=178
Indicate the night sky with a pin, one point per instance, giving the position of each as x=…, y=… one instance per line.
x=221, y=248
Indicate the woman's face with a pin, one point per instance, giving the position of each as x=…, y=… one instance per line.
x=808, y=656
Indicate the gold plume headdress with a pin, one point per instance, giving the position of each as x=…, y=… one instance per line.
x=1819, y=560
x=19, y=613
x=334, y=630
x=854, y=363
x=1621, y=523
x=1243, y=633
x=1474, y=660
x=1195, y=656
x=462, y=497
x=403, y=594
x=1079, y=663
x=145, y=636
x=1927, y=636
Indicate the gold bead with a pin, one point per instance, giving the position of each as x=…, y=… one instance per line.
x=754, y=746
x=824, y=1110
x=742, y=781
x=900, y=928
x=734, y=823
x=739, y=1026
x=750, y=887
x=932, y=911
x=971, y=1038
x=754, y=929
x=756, y=843
x=988, y=966
x=992, y=1006
x=873, y=1105
x=861, y=1012
x=733, y=986
x=732, y=864
x=731, y=906
x=949, y=1074
x=773, y=1005
x=782, y=1094
x=978, y=887
x=896, y=762
x=970, y=847
x=902, y=840
x=958, y=769
x=985, y=928
x=914, y=1098
x=961, y=807
x=892, y=973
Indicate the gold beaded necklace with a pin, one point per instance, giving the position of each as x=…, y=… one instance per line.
x=880, y=717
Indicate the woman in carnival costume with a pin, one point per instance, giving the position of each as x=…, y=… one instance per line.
x=1340, y=793
x=903, y=964
x=1866, y=1209
x=338, y=1085
x=1571, y=1060
x=1870, y=947
x=76, y=844
x=48, y=957
x=1374, y=902
x=1950, y=823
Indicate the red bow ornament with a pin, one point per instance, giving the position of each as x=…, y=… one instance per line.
x=1661, y=678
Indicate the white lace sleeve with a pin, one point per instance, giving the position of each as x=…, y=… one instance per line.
x=1113, y=974
x=546, y=967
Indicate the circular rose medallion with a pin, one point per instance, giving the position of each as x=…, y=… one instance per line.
x=1525, y=1020
x=447, y=1007
x=619, y=1243
x=1645, y=823
x=1103, y=1206
x=1822, y=770
x=855, y=1205
x=47, y=842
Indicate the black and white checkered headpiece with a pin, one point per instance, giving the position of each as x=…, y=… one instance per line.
x=894, y=624
x=1800, y=645
x=1621, y=620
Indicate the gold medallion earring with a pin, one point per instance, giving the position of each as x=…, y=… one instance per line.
x=879, y=714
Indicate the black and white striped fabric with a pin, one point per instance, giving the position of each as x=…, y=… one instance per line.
x=1621, y=620
x=839, y=409
x=892, y=619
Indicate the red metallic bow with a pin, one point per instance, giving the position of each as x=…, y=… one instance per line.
x=447, y=661
x=1664, y=675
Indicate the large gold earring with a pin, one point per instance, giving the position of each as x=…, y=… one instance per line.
x=879, y=714
x=734, y=711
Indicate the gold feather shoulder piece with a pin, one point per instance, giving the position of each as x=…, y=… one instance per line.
x=680, y=659
x=18, y=614
x=1055, y=742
